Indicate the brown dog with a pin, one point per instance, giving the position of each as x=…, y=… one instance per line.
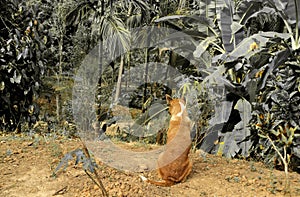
x=173, y=164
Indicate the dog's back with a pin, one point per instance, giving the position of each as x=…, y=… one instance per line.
x=173, y=164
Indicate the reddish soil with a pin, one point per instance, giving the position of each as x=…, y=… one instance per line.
x=26, y=165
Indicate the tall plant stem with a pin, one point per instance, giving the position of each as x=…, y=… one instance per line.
x=285, y=163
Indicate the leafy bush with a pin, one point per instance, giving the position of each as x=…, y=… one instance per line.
x=255, y=54
x=25, y=42
x=262, y=69
x=276, y=112
x=236, y=45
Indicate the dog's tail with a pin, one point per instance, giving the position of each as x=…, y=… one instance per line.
x=164, y=183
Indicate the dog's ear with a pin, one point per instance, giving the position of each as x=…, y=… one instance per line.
x=168, y=98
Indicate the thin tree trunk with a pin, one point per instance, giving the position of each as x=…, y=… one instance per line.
x=99, y=89
x=58, y=77
x=145, y=79
x=119, y=82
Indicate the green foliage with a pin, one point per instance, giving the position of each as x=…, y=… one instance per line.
x=276, y=113
x=263, y=69
x=24, y=53
x=255, y=54
x=246, y=51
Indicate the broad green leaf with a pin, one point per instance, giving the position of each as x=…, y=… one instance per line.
x=235, y=27
x=225, y=25
x=222, y=112
x=245, y=49
x=231, y=148
x=202, y=47
x=279, y=58
x=272, y=34
x=241, y=130
x=290, y=8
x=166, y=18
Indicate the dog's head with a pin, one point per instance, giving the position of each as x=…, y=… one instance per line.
x=176, y=106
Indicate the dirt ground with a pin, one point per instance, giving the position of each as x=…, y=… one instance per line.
x=26, y=165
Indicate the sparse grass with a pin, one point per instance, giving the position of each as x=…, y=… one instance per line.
x=56, y=150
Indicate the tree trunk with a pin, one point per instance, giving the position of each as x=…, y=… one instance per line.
x=119, y=82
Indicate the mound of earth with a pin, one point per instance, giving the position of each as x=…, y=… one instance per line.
x=26, y=166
